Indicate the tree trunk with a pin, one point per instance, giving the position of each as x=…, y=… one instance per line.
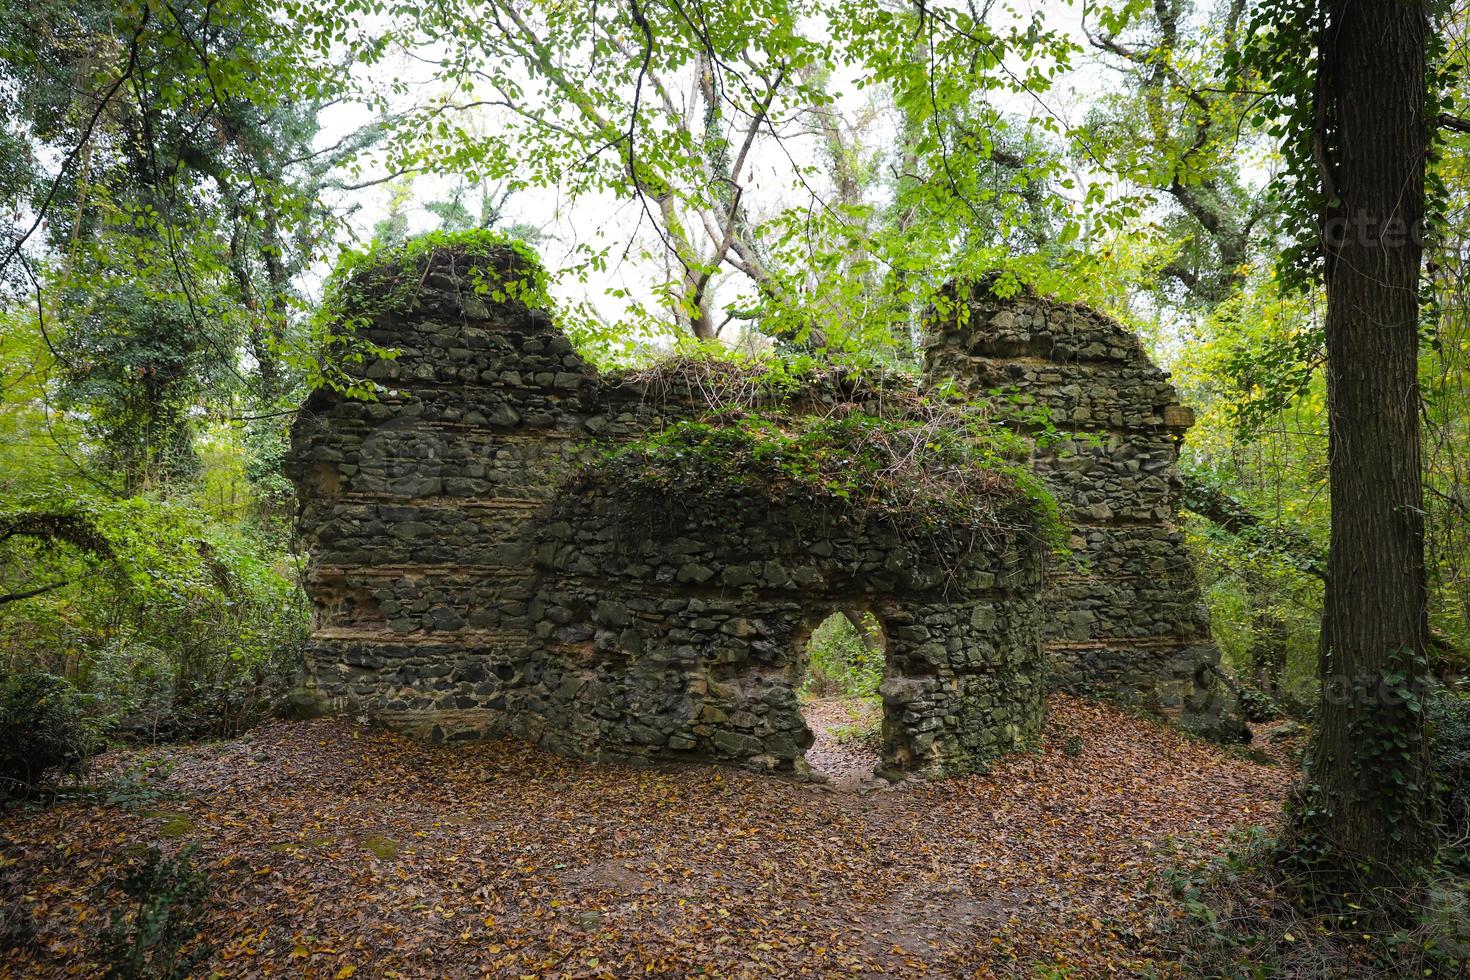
x=1369, y=761
x=1269, y=639
x=870, y=634
x=696, y=307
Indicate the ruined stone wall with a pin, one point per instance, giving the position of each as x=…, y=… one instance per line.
x=694, y=624
x=464, y=588
x=1125, y=617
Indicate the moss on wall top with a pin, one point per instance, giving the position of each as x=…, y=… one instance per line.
x=942, y=469
x=496, y=267
x=721, y=381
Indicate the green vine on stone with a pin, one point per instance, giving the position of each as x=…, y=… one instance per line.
x=389, y=278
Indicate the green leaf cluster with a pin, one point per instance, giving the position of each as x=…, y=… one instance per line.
x=182, y=626
x=388, y=276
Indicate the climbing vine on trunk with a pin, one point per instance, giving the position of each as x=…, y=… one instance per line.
x=1355, y=130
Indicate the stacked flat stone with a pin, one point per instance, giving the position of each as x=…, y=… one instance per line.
x=415, y=505
x=1125, y=616
x=465, y=585
x=692, y=617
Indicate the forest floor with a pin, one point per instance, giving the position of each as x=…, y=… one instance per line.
x=847, y=738
x=336, y=850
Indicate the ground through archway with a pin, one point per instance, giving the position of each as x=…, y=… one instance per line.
x=844, y=662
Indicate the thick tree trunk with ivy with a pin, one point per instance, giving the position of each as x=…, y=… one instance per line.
x=1368, y=770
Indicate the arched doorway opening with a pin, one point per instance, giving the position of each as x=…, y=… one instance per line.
x=842, y=665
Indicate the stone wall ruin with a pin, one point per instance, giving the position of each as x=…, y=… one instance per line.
x=469, y=580
x=1125, y=614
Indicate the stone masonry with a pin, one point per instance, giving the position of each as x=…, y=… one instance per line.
x=1125, y=614
x=474, y=572
x=682, y=631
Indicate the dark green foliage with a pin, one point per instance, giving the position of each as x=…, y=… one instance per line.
x=153, y=937
x=929, y=473
x=1269, y=374
x=43, y=532
x=166, y=192
x=47, y=732
x=135, y=364
x=1262, y=574
x=266, y=441
x=1259, y=538
x=1282, y=54
x=1186, y=153
x=180, y=627
x=389, y=276
x=1256, y=704
x=1449, y=716
x=839, y=662
x=169, y=229
x=1243, y=919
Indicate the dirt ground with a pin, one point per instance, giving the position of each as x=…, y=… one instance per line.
x=336, y=850
x=846, y=761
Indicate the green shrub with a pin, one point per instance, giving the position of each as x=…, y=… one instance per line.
x=1237, y=916
x=937, y=471
x=153, y=935
x=1257, y=704
x=188, y=627
x=1245, y=590
x=46, y=732
x=1449, y=714
x=839, y=663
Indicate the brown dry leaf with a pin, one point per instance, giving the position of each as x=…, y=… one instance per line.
x=570, y=869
